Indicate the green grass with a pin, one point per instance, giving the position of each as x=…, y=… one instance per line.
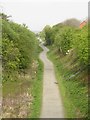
x=36, y=91
x=9, y=88
x=37, y=88
x=74, y=92
x=16, y=87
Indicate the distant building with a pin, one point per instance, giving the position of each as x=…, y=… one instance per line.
x=82, y=24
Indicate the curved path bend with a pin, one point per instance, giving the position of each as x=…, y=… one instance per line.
x=51, y=105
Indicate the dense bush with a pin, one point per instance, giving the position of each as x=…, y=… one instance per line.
x=19, y=47
x=81, y=45
x=65, y=38
x=11, y=55
x=48, y=31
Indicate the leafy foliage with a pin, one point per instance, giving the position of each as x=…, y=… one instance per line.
x=11, y=55
x=81, y=45
x=47, y=31
x=65, y=38
x=19, y=47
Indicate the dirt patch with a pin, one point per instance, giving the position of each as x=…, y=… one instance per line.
x=17, y=107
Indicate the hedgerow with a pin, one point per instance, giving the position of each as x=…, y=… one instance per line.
x=66, y=37
x=19, y=47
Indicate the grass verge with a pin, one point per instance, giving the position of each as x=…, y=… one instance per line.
x=36, y=91
x=74, y=92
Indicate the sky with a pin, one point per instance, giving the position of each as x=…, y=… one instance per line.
x=36, y=14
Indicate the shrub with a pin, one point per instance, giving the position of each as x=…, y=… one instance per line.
x=19, y=46
x=81, y=45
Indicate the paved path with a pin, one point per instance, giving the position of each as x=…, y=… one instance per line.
x=51, y=105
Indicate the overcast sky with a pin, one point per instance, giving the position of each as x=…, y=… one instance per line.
x=38, y=13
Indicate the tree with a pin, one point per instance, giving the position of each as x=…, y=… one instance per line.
x=63, y=39
x=19, y=48
x=72, y=22
x=80, y=43
x=48, y=32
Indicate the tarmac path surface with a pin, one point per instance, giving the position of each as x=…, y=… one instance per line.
x=52, y=106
